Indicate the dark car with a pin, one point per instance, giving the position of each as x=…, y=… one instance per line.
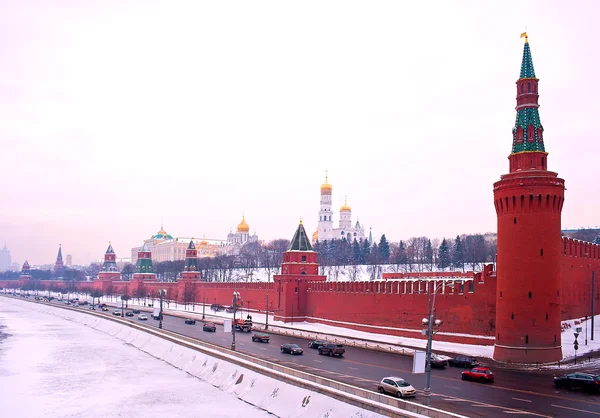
x=330, y=349
x=316, y=343
x=466, y=362
x=190, y=321
x=438, y=362
x=209, y=326
x=584, y=381
x=480, y=374
x=128, y=313
x=261, y=337
x=291, y=349
x=136, y=311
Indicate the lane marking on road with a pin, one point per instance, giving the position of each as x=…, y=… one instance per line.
x=481, y=405
x=452, y=387
x=504, y=408
x=522, y=400
x=575, y=409
x=491, y=387
x=263, y=349
x=352, y=368
x=456, y=400
x=517, y=412
x=318, y=361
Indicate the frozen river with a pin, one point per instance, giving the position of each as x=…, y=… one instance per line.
x=51, y=367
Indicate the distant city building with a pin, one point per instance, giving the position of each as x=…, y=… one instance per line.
x=5, y=260
x=69, y=260
x=59, y=266
x=325, y=230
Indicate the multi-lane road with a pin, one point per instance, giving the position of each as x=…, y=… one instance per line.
x=514, y=392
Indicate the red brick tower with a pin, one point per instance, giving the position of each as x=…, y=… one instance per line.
x=190, y=271
x=59, y=266
x=299, y=267
x=109, y=271
x=25, y=276
x=528, y=204
x=144, y=271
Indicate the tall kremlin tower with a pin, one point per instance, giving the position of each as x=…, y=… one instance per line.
x=528, y=202
x=59, y=266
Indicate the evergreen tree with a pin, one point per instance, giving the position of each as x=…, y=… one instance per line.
x=429, y=253
x=356, y=252
x=365, y=251
x=597, y=240
x=402, y=254
x=458, y=258
x=444, y=258
x=384, y=250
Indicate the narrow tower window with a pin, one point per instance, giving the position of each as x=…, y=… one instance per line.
x=500, y=294
x=527, y=339
x=529, y=295
x=546, y=317
x=528, y=87
x=542, y=252
x=515, y=221
x=512, y=315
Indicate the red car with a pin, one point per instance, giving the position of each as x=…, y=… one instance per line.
x=480, y=374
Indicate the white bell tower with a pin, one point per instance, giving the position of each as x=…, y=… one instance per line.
x=325, y=226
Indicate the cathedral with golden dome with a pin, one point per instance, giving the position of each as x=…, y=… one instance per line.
x=236, y=241
x=325, y=230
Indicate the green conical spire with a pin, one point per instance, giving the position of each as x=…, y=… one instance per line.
x=527, y=70
x=300, y=242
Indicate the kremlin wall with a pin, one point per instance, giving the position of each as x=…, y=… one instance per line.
x=541, y=278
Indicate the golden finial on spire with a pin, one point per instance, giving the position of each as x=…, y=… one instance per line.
x=524, y=35
x=326, y=175
x=301, y=220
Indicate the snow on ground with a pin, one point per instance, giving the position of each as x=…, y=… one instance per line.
x=56, y=367
x=567, y=337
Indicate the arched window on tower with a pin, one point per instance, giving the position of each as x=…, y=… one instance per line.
x=540, y=134
x=519, y=135
x=530, y=133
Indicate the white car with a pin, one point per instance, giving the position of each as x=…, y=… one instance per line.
x=116, y=312
x=143, y=317
x=397, y=387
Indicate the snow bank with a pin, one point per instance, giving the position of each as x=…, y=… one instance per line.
x=279, y=398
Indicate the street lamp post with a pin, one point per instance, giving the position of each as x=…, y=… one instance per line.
x=161, y=292
x=203, y=303
x=236, y=296
x=592, y=313
x=433, y=326
x=267, y=314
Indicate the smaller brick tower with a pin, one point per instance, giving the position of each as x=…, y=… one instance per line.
x=299, y=267
x=109, y=271
x=186, y=287
x=59, y=266
x=25, y=276
x=528, y=204
x=190, y=271
x=144, y=270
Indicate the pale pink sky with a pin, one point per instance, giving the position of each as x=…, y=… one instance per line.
x=115, y=114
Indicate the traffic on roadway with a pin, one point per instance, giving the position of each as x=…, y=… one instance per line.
x=481, y=392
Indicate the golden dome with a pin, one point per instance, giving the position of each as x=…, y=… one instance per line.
x=243, y=226
x=203, y=243
x=315, y=235
x=345, y=208
x=326, y=187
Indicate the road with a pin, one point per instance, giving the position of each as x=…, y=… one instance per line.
x=513, y=393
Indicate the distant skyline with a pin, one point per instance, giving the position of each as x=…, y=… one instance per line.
x=116, y=116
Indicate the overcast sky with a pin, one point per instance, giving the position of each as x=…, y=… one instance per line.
x=117, y=114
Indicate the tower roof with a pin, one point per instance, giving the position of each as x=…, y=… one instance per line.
x=527, y=70
x=300, y=242
x=110, y=250
x=59, y=257
x=144, y=248
x=191, y=245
